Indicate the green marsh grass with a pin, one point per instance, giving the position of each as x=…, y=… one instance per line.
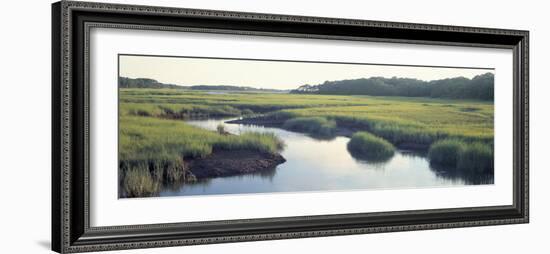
x=473, y=157
x=318, y=126
x=404, y=120
x=152, y=150
x=364, y=145
x=399, y=120
x=476, y=158
x=151, y=133
x=138, y=182
x=147, y=138
x=445, y=152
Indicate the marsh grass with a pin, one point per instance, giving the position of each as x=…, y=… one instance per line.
x=319, y=126
x=138, y=182
x=153, y=139
x=445, y=152
x=221, y=129
x=179, y=111
x=147, y=138
x=412, y=121
x=152, y=150
x=146, y=177
x=404, y=134
x=396, y=119
x=364, y=145
x=261, y=142
x=247, y=112
x=454, y=154
x=174, y=171
x=477, y=158
x=399, y=120
x=256, y=102
x=469, y=109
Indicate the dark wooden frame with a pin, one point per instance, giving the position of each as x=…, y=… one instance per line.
x=71, y=22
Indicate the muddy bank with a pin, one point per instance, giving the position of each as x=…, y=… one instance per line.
x=146, y=179
x=233, y=162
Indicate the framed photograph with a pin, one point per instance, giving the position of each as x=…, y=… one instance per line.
x=181, y=126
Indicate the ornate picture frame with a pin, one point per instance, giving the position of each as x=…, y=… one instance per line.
x=71, y=197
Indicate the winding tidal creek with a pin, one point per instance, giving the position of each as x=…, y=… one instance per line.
x=322, y=165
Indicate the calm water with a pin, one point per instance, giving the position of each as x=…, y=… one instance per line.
x=319, y=165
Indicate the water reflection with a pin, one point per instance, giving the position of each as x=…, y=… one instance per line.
x=380, y=162
x=324, y=164
x=470, y=178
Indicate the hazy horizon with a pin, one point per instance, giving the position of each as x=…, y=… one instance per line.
x=268, y=74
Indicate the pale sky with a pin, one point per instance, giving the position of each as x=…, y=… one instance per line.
x=270, y=74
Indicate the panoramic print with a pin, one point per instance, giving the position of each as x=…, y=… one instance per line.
x=203, y=126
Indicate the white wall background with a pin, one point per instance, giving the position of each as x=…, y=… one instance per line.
x=25, y=125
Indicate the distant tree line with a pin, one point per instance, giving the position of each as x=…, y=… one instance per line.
x=220, y=87
x=124, y=82
x=480, y=87
x=231, y=88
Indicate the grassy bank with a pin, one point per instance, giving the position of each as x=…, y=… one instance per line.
x=317, y=126
x=255, y=102
x=146, y=138
x=154, y=150
x=454, y=154
x=412, y=121
x=396, y=119
x=364, y=145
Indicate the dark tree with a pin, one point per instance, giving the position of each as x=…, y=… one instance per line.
x=124, y=82
x=480, y=87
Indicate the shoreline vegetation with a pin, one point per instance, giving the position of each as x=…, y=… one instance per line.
x=157, y=149
x=154, y=151
x=366, y=146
